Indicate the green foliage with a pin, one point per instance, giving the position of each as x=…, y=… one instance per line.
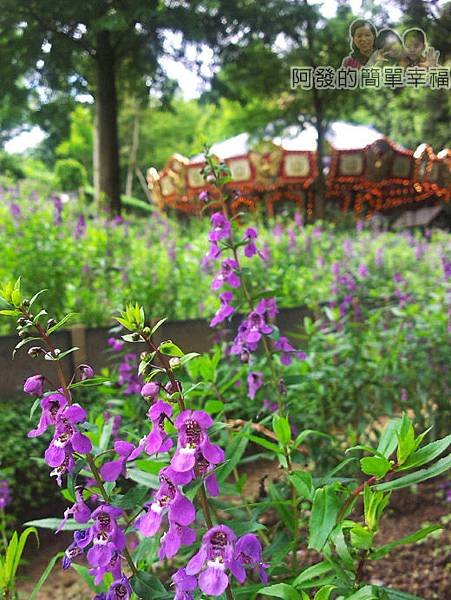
x=10, y=560
x=70, y=174
x=10, y=166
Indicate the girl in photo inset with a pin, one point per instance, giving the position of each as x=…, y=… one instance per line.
x=388, y=50
x=362, y=35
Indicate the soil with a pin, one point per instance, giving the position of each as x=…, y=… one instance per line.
x=422, y=569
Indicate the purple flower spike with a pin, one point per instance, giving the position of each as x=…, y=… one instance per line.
x=105, y=534
x=157, y=440
x=52, y=407
x=5, y=496
x=221, y=227
x=225, y=310
x=248, y=553
x=34, y=385
x=184, y=585
x=119, y=590
x=192, y=428
x=254, y=382
x=217, y=554
x=227, y=275
x=250, y=249
x=113, y=469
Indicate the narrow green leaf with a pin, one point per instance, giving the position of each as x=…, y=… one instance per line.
x=282, y=590
x=323, y=516
x=424, y=455
x=408, y=539
x=324, y=593
x=45, y=575
x=436, y=469
x=148, y=587
x=389, y=440
x=53, y=523
x=311, y=573
x=303, y=482
x=63, y=321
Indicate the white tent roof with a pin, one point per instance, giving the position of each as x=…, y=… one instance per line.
x=342, y=136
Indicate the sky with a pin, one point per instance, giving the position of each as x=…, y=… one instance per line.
x=190, y=83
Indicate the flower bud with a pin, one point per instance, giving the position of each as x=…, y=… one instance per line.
x=150, y=391
x=210, y=178
x=22, y=321
x=174, y=361
x=25, y=303
x=34, y=385
x=173, y=388
x=34, y=351
x=86, y=371
x=51, y=322
x=24, y=334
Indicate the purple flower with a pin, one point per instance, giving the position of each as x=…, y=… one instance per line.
x=58, y=204
x=184, y=585
x=379, y=258
x=250, y=249
x=248, y=553
x=221, y=227
x=253, y=327
x=227, y=275
x=80, y=511
x=203, y=196
x=403, y=395
x=225, y=310
x=157, y=440
x=363, y=271
x=217, y=554
x=113, y=567
x=287, y=351
x=105, y=534
x=66, y=466
x=167, y=498
x=113, y=469
x=192, y=428
x=298, y=220
x=254, y=383
x=128, y=375
x=115, y=344
x=119, y=590
x=15, y=211
x=71, y=552
x=5, y=496
x=150, y=391
x=176, y=536
x=34, y=385
x=86, y=371
x=347, y=247
x=52, y=406
x=80, y=227
x=67, y=436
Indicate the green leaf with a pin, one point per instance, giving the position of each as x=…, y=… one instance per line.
x=234, y=452
x=147, y=479
x=45, y=575
x=375, y=465
x=281, y=428
x=21, y=545
x=301, y=437
x=323, y=516
x=324, y=593
x=406, y=440
x=303, y=482
x=10, y=313
x=408, y=539
x=311, y=573
x=170, y=349
x=214, y=406
x=132, y=499
x=282, y=590
x=424, y=455
x=366, y=593
x=83, y=572
x=93, y=381
x=186, y=358
x=148, y=587
x=436, y=469
x=53, y=523
x=392, y=594
x=157, y=326
x=67, y=352
x=361, y=537
x=34, y=407
x=36, y=296
x=63, y=321
x=389, y=440
x=264, y=443
x=282, y=507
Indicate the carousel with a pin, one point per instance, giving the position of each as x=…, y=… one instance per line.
x=365, y=172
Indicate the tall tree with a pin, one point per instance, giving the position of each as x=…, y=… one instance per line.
x=89, y=47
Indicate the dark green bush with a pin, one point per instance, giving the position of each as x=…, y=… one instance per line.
x=70, y=174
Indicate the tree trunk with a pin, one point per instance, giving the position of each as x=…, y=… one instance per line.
x=320, y=187
x=106, y=110
x=133, y=154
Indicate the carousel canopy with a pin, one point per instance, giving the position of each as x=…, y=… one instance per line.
x=339, y=135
